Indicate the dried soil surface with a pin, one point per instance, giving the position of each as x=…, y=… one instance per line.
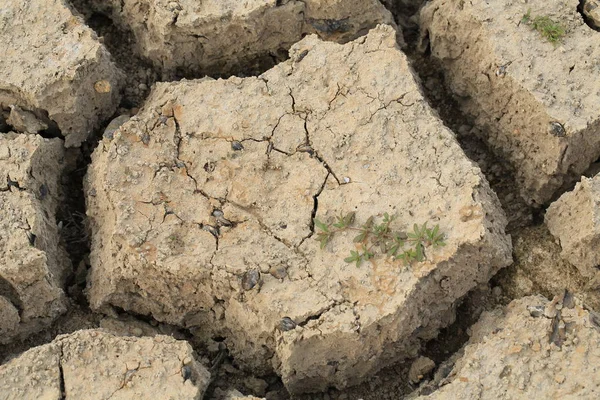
x=245, y=251
x=540, y=265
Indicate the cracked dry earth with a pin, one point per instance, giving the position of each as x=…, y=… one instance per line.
x=238, y=261
x=161, y=243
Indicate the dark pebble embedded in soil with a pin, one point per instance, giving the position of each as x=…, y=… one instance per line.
x=287, y=324
x=250, y=279
x=237, y=146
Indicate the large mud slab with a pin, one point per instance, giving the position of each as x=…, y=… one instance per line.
x=202, y=208
x=220, y=36
x=94, y=364
x=54, y=66
x=536, y=100
x=33, y=265
x=534, y=349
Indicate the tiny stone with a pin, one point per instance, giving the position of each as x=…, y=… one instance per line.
x=102, y=87
x=419, y=368
x=250, y=279
x=257, y=386
x=278, y=272
x=186, y=372
x=137, y=331
x=217, y=214
x=237, y=146
x=535, y=311
x=287, y=324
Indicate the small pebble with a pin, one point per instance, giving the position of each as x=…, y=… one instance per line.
x=102, y=86
x=237, y=146
x=186, y=372
x=287, y=324
x=278, y=272
x=250, y=279
x=536, y=311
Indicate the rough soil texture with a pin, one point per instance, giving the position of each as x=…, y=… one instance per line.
x=534, y=348
x=201, y=208
x=33, y=265
x=235, y=395
x=53, y=66
x=540, y=269
x=93, y=364
x=574, y=220
x=187, y=37
x=541, y=116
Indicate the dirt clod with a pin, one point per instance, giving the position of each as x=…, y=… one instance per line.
x=153, y=200
x=94, y=364
x=33, y=265
x=65, y=76
x=510, y=355
x=548, y=131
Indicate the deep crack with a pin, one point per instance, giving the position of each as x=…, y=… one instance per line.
x=61, y=376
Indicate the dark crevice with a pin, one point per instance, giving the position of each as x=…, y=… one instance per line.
x=14, y=184
x=61, y=377
x=589, y=6
x=313, y=317
x=72, y=220
x=8, y=291
x=313, y=213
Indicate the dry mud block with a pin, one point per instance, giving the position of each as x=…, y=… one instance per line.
x=201, y=210
x=537, y=101
x=217, y=36
x=93, y=364
x=54, y=67
x=532, y=349
x=33, y=266
x=574, y=219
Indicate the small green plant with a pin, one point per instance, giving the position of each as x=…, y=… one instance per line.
x=380, y=237
x=551, y=30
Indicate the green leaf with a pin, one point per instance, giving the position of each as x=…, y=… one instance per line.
x=349, y=218
x=419, y=255
x=393, y=250
x=416, y=230
x=354, y=256
x=321, y=225
x=323, y=238
x=360, y=237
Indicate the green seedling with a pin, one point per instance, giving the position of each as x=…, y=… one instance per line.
x=549, y=29
x=379, y=238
